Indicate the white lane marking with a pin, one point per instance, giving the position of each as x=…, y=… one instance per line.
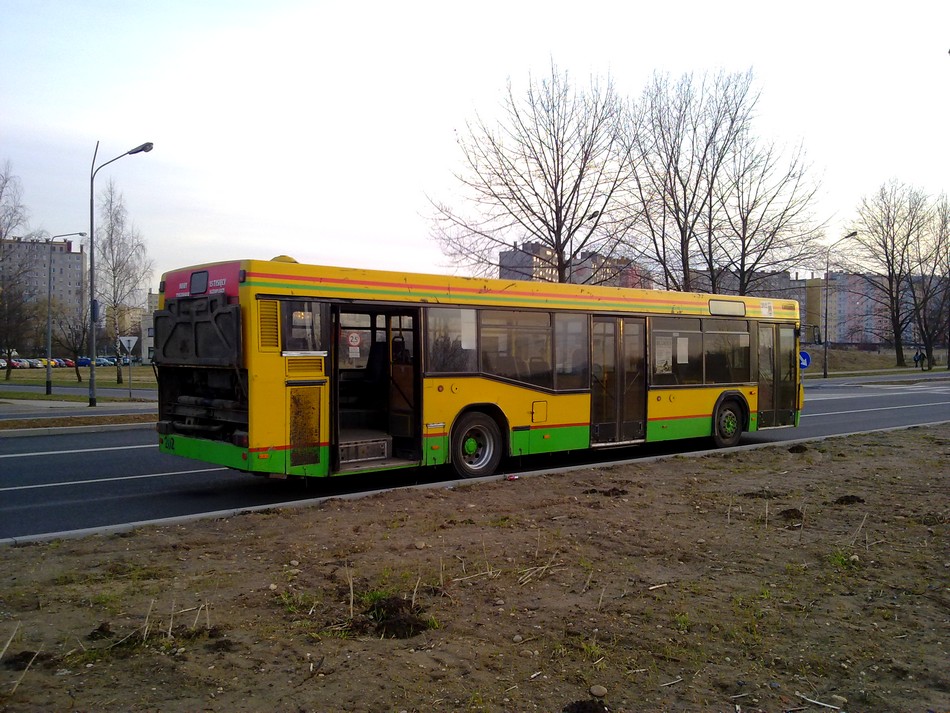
x=880, y=408
x=77, y=450
x=837, y=397
x=107, y=480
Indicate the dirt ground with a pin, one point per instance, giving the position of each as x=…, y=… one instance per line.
x=805, y=577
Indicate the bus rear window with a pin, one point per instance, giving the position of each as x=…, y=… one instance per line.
x=199, y=283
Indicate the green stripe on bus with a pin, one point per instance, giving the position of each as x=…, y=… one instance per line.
x=674, y=429
x=225, y=454
x=231, y=456
x=550, y=440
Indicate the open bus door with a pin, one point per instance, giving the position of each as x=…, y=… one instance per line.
x=376, y=372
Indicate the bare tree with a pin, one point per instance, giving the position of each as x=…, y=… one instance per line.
x=13, y=213
x=681, y=136
x=71, y=330
x=927, y=281
x=16, y=308
x=942, y=226
x=760, y=220
x=889, y=224
x=19, y=308
x=122, y=264
x=549, y=172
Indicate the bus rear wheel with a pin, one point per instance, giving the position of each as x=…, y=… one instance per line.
x=476, y=446
x=727, y=425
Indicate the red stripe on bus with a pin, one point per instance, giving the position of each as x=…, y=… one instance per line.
x=665, y=297
x=540, y=426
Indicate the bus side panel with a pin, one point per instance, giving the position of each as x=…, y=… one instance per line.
x=217, y=452
x=309, y=448
x=267, y=420
x=688, y=413
x=537, y=423
x=435, y=443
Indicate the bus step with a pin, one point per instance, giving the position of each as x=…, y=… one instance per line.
x=366, y=449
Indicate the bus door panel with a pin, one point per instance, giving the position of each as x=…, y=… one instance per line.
x=778, y=375
x=603, y=381
x=404, y=365
x=786, y=395
x=618, y=391
x=307, y=426
x=633, y=406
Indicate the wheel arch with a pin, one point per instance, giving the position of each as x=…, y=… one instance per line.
x=738, y=397
x=493, y=412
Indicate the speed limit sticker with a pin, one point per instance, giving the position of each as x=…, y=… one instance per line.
x=353, y=339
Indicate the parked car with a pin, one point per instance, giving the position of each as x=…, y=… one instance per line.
x=3, y=363
x=83, y=361
x=60, y=363
x=35, y=363
x=69, y=362
x=104, y=361
x=20, y=363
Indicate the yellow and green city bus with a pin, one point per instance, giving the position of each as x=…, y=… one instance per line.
x=284, y=369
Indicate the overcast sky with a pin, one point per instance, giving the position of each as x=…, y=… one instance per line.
x=317, y=129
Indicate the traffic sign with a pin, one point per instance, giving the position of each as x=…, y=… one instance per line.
x=804, y=359
x=128, y=343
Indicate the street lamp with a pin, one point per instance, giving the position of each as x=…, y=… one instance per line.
x=143, y=148
x=49, y=314
x=824, y=366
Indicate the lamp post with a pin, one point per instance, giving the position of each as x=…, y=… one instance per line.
x=824, y=365
x=49, y=313
x=143, y=148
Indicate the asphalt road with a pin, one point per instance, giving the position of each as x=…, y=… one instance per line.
x=63, y=483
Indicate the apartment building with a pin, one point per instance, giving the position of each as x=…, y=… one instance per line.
x=58, y=266
x=535, y=261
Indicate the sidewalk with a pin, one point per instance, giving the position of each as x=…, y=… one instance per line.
x=44, y=418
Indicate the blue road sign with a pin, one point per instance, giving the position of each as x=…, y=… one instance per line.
x=804, y=359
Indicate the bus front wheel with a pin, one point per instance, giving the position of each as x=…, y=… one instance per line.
x=727, y=425
x=476, y=446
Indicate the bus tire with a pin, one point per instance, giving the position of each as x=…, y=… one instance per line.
x=727, y=424
x=476, y=445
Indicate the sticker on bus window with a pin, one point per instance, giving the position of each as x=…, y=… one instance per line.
x=682, y=350
x=663, y=355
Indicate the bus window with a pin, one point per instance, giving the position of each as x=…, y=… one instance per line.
x=451, y=340
x=517, y=345
x=355, y=340
x=571, y=347
x=301, y=327
x=677, y=351
x=726, y=345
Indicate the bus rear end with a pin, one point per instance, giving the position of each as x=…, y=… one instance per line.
x=200, y=362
